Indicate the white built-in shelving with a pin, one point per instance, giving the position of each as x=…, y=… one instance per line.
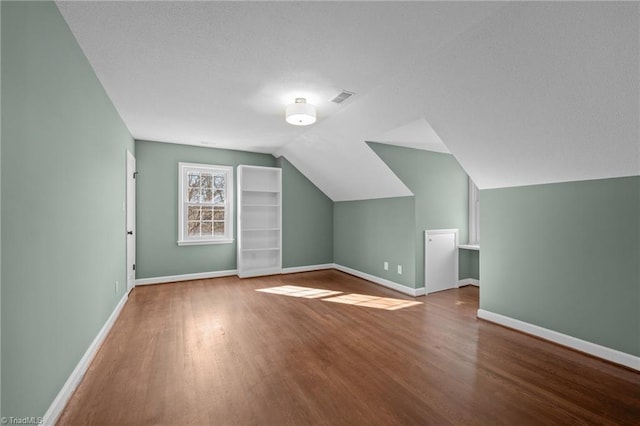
x=259, y=221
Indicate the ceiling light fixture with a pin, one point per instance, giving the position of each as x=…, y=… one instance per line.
x=300, y=113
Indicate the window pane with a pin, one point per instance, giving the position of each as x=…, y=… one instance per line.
x=218, y=228
x=218, y=181
x=205, y=180
x=207, y=213
x=204, y=202
x=206, y=228
x=218, y=196
x=194, y=213
x=194, y=229
x=194, y=195
x=194, y=179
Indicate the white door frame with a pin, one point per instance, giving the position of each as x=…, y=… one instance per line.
x=130, y=221
x=426, y=253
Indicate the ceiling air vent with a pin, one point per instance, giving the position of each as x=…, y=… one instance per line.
x=342, y=96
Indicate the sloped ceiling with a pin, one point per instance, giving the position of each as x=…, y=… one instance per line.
x=519, y=93
x=417, y=134
x=542, y=92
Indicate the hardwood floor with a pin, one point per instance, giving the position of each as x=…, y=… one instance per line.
x=218, y=352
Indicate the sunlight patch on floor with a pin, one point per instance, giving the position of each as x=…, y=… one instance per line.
x=387, y=303
x=296, y=291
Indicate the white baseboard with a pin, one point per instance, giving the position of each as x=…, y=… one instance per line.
x=185, y=277
x=469, y=281
x=381, y=281
x=58, y=404
x=309, y=268
x=594, y=349
x=227, y=273
x=421, y=291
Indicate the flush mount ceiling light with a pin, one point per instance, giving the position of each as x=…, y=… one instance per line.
x=300, y=113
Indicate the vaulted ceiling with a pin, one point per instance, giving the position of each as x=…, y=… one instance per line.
x=519, y=93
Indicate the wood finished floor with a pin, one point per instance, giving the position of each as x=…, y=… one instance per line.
x=218, y=352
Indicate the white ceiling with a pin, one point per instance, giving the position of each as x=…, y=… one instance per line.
x=520, y=93
x=541, y=93
x=416, y=134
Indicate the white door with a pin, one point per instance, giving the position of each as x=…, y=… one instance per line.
x=441, y=259
x=131, y=221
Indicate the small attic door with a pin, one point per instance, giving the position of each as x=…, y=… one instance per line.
x=441, y=259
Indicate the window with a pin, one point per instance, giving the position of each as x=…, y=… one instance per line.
x=206, y=204
x=474, y=213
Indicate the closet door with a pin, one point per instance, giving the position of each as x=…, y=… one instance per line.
x=441, y=259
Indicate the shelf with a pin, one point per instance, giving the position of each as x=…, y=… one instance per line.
x=269, y=199
x=259, y=220
x=271, y=191
x=475, y=247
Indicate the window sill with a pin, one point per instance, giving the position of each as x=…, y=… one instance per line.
x=475, y=247
x=204, y=242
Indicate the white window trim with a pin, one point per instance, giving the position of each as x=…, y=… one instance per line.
x=474, y=214
x=209, y=168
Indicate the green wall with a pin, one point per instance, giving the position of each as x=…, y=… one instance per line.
x=357, y=234
x=469, y=264
x=63, y=193
x=307, y=220
x=566, y=257
x=441, y=191
x=157, y=251
x=367, y=233
x=474, y=266
x=307, y=214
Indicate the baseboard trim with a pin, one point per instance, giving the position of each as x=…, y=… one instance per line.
x=58, y=404
x=308, y=268
x=421, y=291
x=469, y=281
x=186, y=277
x=612, y=355
x=381, y=281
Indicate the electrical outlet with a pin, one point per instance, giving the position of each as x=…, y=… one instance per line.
x=117, y=285
x=386, y=266
x=400, y=269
